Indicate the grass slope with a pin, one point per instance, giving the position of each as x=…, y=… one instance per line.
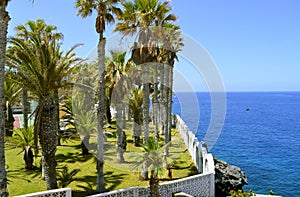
x=117, y=175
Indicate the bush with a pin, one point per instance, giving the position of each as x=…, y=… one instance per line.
x=241, y=193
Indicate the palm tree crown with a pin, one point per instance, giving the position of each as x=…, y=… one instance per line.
x=105, y=11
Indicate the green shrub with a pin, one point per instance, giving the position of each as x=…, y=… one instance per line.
x=241, y=193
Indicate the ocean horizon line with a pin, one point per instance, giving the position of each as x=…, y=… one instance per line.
x=243, y=91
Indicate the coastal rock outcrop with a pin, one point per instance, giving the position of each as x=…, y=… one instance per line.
x=228, y=177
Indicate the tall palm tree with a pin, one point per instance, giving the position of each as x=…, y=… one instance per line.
x=83, y=103
x=4, y=19
x=32, y=28
x=105, y=14
x=140, y=16
x=42, y=67
x=116, y=70
x=85, y=123
x=171, y=44
x=116, y=67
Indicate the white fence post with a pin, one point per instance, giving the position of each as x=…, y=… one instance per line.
x=69, y=193
x=212, y=185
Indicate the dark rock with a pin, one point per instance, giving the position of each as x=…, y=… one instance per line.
x=228, y=177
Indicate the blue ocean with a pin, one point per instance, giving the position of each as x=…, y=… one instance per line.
x=261, y=135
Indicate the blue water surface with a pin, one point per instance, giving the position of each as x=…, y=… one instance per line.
x=261, y=135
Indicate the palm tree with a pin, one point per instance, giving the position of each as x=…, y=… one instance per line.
x=24, y=138
x=116, y=67
x=4, y=19
x=115, y=71
x=85, y=123
x=105, y=14
x=153, y=156
x=41, y=68
x=138, y=17
x=33, y=28
x=83, y=103
x=172, y=43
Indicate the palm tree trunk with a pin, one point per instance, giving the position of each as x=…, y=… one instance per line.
x=153, y=182
x=162, y=98
x=137, y=131
x=170, y=102
x=9, y=121
x=124, y=117
x=26, y=106
x=100, y=115
x=56, y=104
x=47, y=127
x=146, y=102
x=4, y=18
x=155, y=103
x=121, y=146
x=28, y=157
x=108, y=112
x=166, y=112
x=85, y=143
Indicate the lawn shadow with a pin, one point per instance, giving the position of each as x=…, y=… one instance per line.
x=191, y=167
x=111, y=178
x=89, y=189
x=72, y=157
x=24, y=174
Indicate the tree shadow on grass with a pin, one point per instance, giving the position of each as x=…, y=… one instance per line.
x=23, y=174
x=71, y=157
x=178, y=165
x=111, y=178
x=88, y=188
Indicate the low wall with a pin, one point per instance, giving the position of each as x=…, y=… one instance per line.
x=197, y=185
x=64, y=192
x=198, y=150
x=127, y=192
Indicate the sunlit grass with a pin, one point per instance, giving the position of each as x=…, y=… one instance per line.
x=117, y=175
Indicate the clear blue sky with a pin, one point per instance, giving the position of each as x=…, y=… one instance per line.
x=254, y=43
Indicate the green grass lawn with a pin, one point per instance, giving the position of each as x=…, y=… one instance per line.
x=22, y=181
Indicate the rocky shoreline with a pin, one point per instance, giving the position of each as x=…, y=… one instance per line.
x=228, y=177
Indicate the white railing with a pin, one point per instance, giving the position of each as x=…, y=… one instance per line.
x=127, y=192
x=64, y=192
x=197, y=185
x=198, y=150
